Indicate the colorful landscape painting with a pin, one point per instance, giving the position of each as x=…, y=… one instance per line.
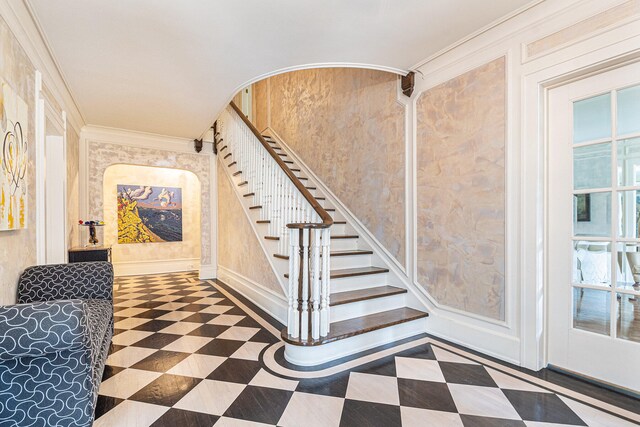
x=14, y=158
x=148, y=214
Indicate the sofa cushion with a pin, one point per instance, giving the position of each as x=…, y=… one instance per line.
x=99, y=315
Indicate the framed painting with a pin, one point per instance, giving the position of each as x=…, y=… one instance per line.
x=149, y=214
x=583, y=207
x=14, y=158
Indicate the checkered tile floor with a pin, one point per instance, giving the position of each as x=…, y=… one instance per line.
x=184, y=355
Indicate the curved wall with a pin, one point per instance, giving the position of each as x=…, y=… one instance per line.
x=348, y=127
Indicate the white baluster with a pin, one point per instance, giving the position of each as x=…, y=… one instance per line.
x=315, y=285
x=304, y=301
x=326, y=288
x=293, y=316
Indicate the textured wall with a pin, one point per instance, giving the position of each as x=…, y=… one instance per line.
x=238, y=246
x=188, y=248
x=461, y=190
x=348, y=127
x=103, y=155
x=259, y=100
x=73, y=165
x=18, y=248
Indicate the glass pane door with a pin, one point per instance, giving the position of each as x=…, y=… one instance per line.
x=606, y=214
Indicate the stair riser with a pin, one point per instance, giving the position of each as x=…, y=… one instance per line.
x=310, y=356
x=359, y=282
x=343, y=244
x=350, y=261
x=339, y=262
x=366, y=307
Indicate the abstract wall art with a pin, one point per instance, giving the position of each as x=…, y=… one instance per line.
x=13, y=160
x=148, y=214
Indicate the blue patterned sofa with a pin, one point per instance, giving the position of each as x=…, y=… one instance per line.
x=54, y=344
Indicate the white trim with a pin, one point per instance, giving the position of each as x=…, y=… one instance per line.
x=272, y=303
x=495, y=24
x=41, y=219
x=19, y=18
x=148, y=140
x=136, y=268
x=207, y=272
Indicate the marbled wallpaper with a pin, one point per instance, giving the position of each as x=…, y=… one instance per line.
x=73, y=165
x=259, y=100
x=347, y=126
x=188, y=248
x=104, y=154
x=18, y=248
x=461, y=191
x=238, y=247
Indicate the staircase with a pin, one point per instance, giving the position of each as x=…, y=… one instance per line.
x=367, y=305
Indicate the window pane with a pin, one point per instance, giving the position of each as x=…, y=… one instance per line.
x=628, y=273
x=629, y=214
x=592, y=166
x=592, y=118
x=629, y=110
x=591, y=310
x=592, y=214
x=592, y=263
x=628, y=325
x=629, y=162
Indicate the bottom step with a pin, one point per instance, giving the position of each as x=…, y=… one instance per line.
x=325, y=353
x=361, y=325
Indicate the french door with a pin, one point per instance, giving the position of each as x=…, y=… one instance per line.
x=593, y=219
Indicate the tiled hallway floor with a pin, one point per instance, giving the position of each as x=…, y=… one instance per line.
x=189, y=353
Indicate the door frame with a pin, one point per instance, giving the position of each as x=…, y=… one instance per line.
x=45, y=111
x=571, y=346
x=535, y=187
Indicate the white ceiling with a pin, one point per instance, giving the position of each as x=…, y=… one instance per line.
x=170, y=66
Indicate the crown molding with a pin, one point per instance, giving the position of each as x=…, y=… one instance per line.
x=22, y=23
x=143, y=140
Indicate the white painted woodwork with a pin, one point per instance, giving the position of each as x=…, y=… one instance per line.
x=282, y=203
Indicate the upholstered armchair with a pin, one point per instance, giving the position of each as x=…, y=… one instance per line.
x=54, y=344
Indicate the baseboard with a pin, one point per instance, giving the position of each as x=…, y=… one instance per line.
x=475, y=335
x=273, y=304
x=207, y=271
x=134, y=268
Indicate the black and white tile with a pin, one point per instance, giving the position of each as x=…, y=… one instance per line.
x=185, y=354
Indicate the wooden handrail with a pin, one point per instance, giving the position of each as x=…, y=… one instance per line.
x=327, y=221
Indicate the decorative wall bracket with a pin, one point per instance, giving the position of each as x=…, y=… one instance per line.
x=408, y=83
x=197, y=145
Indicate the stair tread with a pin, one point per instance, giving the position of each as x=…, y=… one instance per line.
x=337, y=253
x=255, y=207
x=344, y=236
x=353, y=272
x=243, y=183
x=248, y=194
x=339, y=298
x=263, y=221
x=363, y=324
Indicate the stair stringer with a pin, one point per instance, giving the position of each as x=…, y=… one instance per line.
x=261, y=240
x=414, y=298
x=475, y=332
